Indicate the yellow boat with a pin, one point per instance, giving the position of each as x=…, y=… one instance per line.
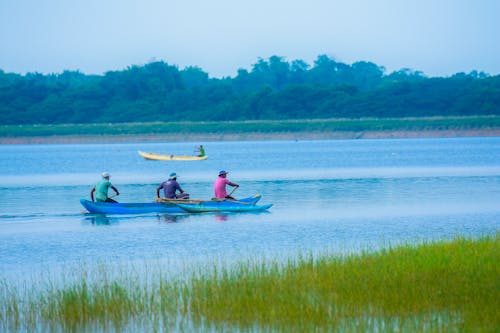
x=161, y=157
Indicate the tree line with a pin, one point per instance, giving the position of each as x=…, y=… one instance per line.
x=273, y=89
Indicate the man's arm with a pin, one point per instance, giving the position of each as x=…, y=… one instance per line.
x=92, y=193
x=158, y=190
x=114, y=188
x=178, y=186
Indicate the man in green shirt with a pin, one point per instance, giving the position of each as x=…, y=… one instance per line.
x=101, y=189
x=201, y=151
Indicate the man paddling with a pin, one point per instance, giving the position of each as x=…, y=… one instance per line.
x=220, y=186
x=201, y=151
x=101, y=189
x=170, y=187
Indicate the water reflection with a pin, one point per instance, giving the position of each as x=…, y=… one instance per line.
x=171, y=218
x=226, y=216
x=97, y=219
x=221, y=217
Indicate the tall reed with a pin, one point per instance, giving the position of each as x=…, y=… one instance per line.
x=427, y=288
x=442, y=286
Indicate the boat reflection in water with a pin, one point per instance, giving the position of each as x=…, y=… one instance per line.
x=219, y=217
x=171, y=218
x=97, y=219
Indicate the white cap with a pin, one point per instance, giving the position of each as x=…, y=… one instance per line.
x=105, y=174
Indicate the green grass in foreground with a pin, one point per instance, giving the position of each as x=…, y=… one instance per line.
x=434, y=287
x=257, y=126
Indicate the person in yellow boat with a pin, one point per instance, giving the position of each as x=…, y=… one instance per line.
x=170, y=187
x=201, y=151
x=101, y=189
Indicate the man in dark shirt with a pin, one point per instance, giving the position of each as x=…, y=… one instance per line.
x=170, y=187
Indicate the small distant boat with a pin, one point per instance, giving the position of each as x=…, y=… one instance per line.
x=165, y=206
x=163, y=157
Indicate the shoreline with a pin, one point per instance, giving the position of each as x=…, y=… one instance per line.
x=182, y=137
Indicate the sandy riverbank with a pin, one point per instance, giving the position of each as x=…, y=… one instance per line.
x=182, y=137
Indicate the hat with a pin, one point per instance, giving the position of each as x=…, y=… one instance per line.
x=172, y=175
x=222, y=172
x=105, y=174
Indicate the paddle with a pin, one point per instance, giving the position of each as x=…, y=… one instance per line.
x=234, y=189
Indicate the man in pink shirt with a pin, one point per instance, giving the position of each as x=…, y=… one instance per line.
x=220, y=186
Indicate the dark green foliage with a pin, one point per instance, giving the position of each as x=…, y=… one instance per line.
x=273, y=89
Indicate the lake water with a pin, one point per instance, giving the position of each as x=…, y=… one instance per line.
x=331, y=195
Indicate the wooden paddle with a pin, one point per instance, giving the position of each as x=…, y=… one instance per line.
x=234, y=189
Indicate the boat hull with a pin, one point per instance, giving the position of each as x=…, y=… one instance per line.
x=162, y=157
x=204, y=208
x=164, y=207
x=130, y=208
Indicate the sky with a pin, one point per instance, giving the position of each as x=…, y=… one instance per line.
x=437, y=37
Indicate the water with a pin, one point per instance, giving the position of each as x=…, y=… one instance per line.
x=335, y=195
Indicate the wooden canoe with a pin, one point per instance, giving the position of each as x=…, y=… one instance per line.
x=162, y=157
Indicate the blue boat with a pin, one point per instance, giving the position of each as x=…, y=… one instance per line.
x=165, y=206
x=96, y=207
x=221, y=206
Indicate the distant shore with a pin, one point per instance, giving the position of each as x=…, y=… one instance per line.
x=291, y=129
x=197, y=137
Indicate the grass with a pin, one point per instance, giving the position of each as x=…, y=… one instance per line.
x=433, y=287
x=256, y=126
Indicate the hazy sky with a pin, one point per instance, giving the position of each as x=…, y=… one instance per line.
x=438, y=37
